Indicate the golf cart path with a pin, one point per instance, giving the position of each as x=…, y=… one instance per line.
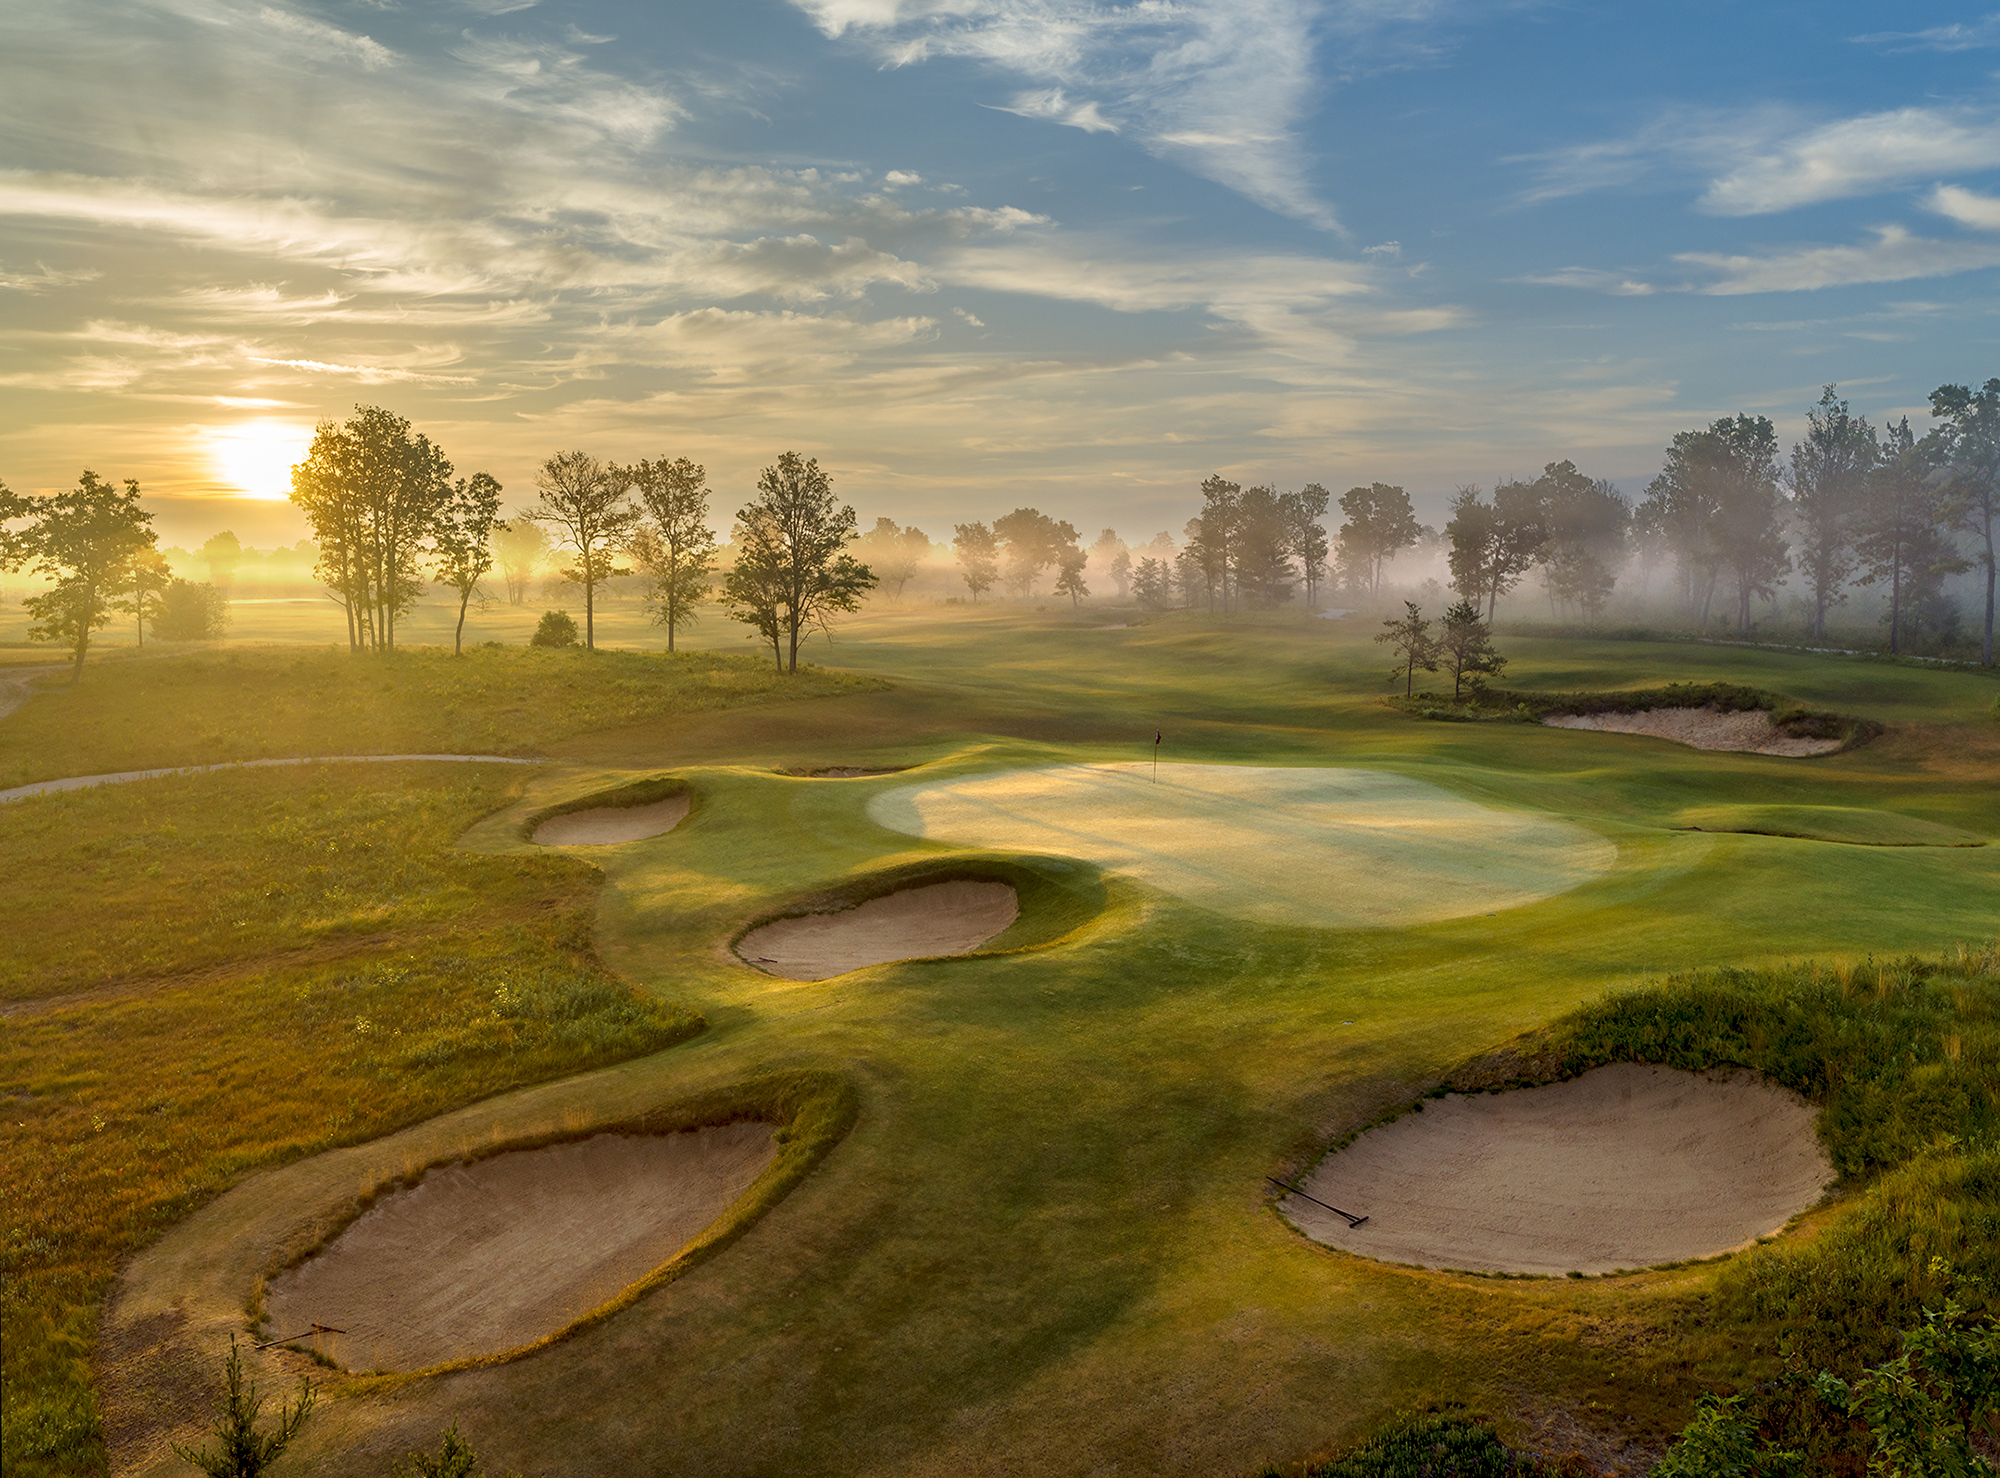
x=80, y=782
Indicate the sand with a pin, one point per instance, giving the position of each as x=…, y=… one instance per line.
x=1323, y=848
x=604, y=825
x=1624, y=1167
x=483, y=1258
x=1749, y=731
x=919, y=923
x=120, y=777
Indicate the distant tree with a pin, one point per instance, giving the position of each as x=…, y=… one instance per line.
x=1409, y=636
x=1379, y=523
x=1110, y=555
x=1716, y=505
x=85, y=541
x=1750, y=516
x=585, y=504
x=1033, y=542
x=223, y=552
x=1262, y=549
x=522, y=545
x=1202, y=565
x=1153, y=584
x=1303, y=513
x=185, y=611
x=1827, y=477
x=1121, y=572
x=13, y=508
x=1520, y=537
x=371, y=490
x=1901, y=529
x=894, y=554
x=1969, y=438
x=673, y=543
x=555, y=629
x=1465, y=644
x=1214, y=535
x=242, y=1450
x=1471, y=534
x=1584, y=523
x=978, y=554
x=793, y=568
x=462, y=542
x=151, y=576
x=1069, y=576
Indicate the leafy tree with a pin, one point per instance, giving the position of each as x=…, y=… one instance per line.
x=793, y=567
x=1261, y=549
x=1901, y=527
x=1922, y=1406
x=674, y=544
x=1970, y=441
x=521, y=545
x=150, y=578
x=1828, y=476
x=1716, y=505
x=555, y=629
x=1409, y=636
x=1069, y=576
x=1378, y=523
x=1471, y=535
x=13, y=508
x=1121, y=571
x=1033, y=542
x=1584, y=522
x=894, y=554
x=1213, y=534
x=1750, y=516
x=223, y=552
x=189, y=612
x=1153, y=584
x=242, y=1450
x=1305, y=534
x=1520, y=537
x=1110, y=555
x=371, y=490
x=1465, y=644
x=584, y=503
x=978, y=553
x=85, y=541
x=462, y=542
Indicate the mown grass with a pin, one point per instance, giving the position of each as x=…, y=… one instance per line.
x=126, y=1109
x=190, y=709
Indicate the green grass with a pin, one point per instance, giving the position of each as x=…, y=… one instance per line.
x=1046, y=1244
x=1853, y=825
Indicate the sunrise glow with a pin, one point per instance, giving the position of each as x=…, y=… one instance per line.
x=256, y=457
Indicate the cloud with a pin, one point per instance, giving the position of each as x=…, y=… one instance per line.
x=328, y=41
x=43, y=279
x=1220, y=85
x=1895, y=255
x=1857, y=156
x=1958, y=36
x=1981, y=212
x=1591, y=279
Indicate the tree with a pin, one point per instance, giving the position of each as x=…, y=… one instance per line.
x=1262, y=549
x=1110, y=555
x=1033, y=541
x=522, y=545
x=186, y=611
x=372, y=490
x=1213, y=534
x=1379, y=522
x=1900, y=528
x=894, y=554
x=583, y=501
x=151, y=576
x=1410, y=638
x=85, y=541
x=1970, y=441
x=453, y=1459
x=1305, y=534
x=1466, y=644
x=1470, y=534
x=243, y=1451
x=1750, y=513
x=673, y=544
x=1153, y=584
x=555, y=629
x=1716, y=506
x=978, y=554
x=1121, y=572
x=1827, y=478
x=462, y=542
x=223, y=552
x=792, y=561
x=1069, y=577
x=1584, y=523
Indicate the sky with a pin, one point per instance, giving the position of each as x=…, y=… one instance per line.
x=972, y=254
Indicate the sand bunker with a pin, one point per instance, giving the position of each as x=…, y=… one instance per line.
x=482, y=1258
x=1627, y=1166
x=1748, y=730
x=603, y=825
x=845, y=772
x=1325, y=848
x=952, y=918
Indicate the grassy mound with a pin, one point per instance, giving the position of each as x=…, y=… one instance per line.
x=1434, y=1445
x=1854, y=825
x=1794, y=719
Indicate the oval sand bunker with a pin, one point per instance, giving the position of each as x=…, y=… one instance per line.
x=1325, y=848
x=952, y=918
x=482, y=1258
x=1624, y=1167
x=603, y=825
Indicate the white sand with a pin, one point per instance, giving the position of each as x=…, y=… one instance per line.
x=915, y=924
x=1748, y=731
x=483, y=1258
x=604, y=825
x=1326, y=848
x=1624, y=1167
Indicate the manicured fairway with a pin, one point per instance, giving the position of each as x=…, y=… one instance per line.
x=1047, y=1244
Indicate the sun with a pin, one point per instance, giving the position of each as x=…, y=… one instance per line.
x=256, y=457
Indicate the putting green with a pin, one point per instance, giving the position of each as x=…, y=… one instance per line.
x=1323, y=848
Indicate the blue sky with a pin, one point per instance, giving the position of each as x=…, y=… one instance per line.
x=973, y=253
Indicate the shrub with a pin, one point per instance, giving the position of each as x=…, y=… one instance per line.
x=1436, y=1445
x=185, y=611
x=556, y=629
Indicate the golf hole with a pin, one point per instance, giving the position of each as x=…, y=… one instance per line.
x=482, y=1258
x=923, y=922
x=603, y=826
x=1627, y=1166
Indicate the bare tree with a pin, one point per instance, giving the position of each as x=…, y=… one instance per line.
x=584, y=502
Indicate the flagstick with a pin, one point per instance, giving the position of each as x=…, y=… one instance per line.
x=1156, y=756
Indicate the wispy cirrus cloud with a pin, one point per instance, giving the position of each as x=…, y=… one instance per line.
x=1967, y=207
x=1857, y=156
x=1894, y=255
x=1956, y=36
